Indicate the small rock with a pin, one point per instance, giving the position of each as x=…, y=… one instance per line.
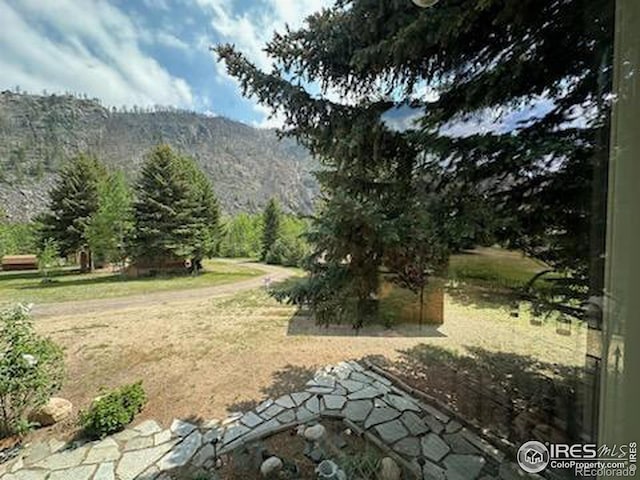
x=54, y=411
x=270, y=466
x=316, y=455
x=315, y=433
x=389, y=470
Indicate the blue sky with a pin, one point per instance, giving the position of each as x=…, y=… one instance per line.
x=141, y=52
x=156, y=52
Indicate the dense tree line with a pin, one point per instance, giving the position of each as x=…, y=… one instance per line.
x=283, y=243
x=169, y=215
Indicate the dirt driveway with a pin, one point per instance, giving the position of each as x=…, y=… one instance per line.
x=272, y=273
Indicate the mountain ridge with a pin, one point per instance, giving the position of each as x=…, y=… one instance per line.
x=247, y=165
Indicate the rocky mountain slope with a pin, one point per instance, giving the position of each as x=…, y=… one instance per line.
x=247, y=165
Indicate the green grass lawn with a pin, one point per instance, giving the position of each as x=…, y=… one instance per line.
x=484, y=276
x=494, y=267
x=69, y=285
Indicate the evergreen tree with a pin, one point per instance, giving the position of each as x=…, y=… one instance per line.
x=204, y=219
x=72, y=204
x=550, y=62
x=176, y=214
x=271, y=220
x=110, y=226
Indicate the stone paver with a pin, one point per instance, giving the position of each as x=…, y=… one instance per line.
x=334, y=402
x=286, y=401
x=149, y=427
x=401, y=403
x=182, y=453
x=434, y=424
x=26, y=475
x=433, y=447
x=139, y=443
x=409, y=447
x=271, y=412
x=105, y=471
x=392, y=431
x=463, y=467
x=381, y=415
x=300, y=397
x=63, y=460
x=182, y=428
x=251, y=420
x=365, y=393
x=102, y=454
x=414, y=423
x=357, y=411
x=233, y=432
x=406, y=426
x=77, y=473
x=133, y=463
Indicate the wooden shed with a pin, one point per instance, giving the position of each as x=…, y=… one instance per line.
x=19, y=262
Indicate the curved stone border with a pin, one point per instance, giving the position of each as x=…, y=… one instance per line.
x=401, y=425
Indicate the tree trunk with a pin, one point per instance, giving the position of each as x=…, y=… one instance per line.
x=421, y=305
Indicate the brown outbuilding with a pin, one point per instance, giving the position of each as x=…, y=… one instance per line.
x=19, y=262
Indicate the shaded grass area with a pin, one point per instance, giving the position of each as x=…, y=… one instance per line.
x=495, y=268
x=517, y=397
x=66, y=285
x=483, y=278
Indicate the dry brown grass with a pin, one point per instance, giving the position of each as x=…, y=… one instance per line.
x=204, y=358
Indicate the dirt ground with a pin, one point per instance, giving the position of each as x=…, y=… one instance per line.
x=203, y=356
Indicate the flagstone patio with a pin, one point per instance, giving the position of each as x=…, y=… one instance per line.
x=405, y=428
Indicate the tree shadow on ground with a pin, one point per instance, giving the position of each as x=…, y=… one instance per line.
x=303, y=323
x=7, y=275
x=196, y=420
x=483, y=296
x=290, y=379
x=517, y=397
x=95, y=280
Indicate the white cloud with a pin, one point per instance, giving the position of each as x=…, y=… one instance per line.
x=84, y=46
x=269, y=120
x=171, y=41
x=250, y=30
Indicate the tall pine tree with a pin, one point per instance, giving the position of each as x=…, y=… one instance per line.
x=176, y=214
x=72, y=204
x=543, y=64
x=271, y=219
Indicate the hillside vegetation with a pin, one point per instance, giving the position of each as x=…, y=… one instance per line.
x=247, y=165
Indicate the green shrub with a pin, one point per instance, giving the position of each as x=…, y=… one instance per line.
x=16, y=238
x=113, y=411
x=287, y=251
x=31, y=370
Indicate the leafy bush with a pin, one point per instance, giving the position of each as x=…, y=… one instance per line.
x=288, y=251
x=16, y=238
x=47, y=258
x=291, y=246
x=113, y=411
x=242, y=236
x=31, y=370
